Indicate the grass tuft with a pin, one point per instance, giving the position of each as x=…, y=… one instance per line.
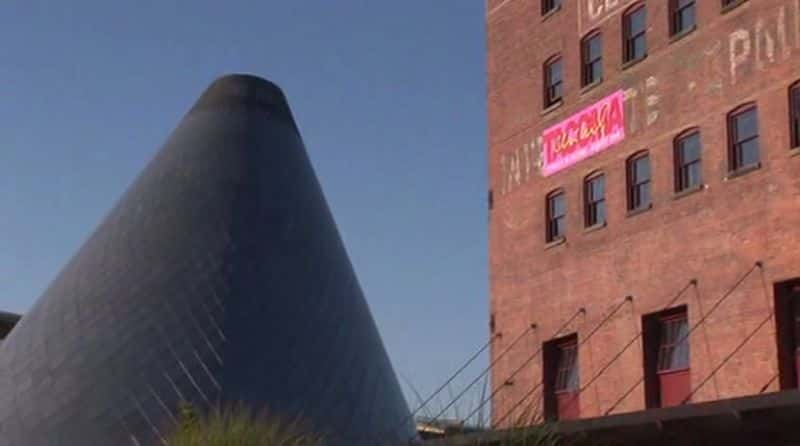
x=236, y=425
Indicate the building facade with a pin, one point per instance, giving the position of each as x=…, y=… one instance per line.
x=644, y=161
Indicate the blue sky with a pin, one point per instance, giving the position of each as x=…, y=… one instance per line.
x=389, y=97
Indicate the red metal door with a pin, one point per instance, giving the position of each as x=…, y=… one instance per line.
x=675, y=387
x=569, y=407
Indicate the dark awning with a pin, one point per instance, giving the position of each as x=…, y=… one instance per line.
x=769, y=419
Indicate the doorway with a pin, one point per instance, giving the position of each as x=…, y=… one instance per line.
x=787, y=321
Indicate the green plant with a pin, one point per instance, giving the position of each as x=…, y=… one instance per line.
x=536, y=435
x=237, y=425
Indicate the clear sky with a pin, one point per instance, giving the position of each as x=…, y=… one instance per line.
x=389, y=97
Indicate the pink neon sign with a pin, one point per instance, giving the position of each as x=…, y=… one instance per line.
x=590, y=131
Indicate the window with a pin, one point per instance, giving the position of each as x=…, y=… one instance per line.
x=682, y=16
x=567, y=367
x=594, y=192
x=743, y=150
x=556, y=216
x=561, y=378
x=688, y=164
x=666, y=357
x=591, y=59
x=552, y=82
x=673, y=351
x=794, y=113
x=730, y=4
x=639, y=181
x=634, y=34
x=549, y=6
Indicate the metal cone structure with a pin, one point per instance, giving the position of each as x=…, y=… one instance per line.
x=218, y=277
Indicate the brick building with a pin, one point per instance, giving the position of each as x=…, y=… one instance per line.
x=644, y=203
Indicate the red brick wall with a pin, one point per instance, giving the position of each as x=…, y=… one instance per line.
x=715, y=235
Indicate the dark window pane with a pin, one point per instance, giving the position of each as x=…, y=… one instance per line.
x=595, y=48
x=749, y=150
x=731, y=2
x=642, y=169
x=573, y=379
x=687, y=18
x=674, y=344
x=690, y=148
x=637, y=21
x=555, y=71
x=795, y=116
x=693, y=175
x=567, y=377
x=596, y=71
x=556, y=92
x=553, y=82
x=680, y=353
x=683, y=15
x=743, y=132
x=549, y=5
x=644, y=194
x=598, y=187
x=600, y=212
x=595, y=200
x=559, y=207
x=559, y=227
x=556, y=221
x=639, y=49
x=638, y=182
x=634, y=35
x=592, y=59
x=746, y=124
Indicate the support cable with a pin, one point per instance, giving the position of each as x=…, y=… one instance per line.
x=716, y=305
x=584, y=340
x=517, y=370
x=619, y=354
x=486, y=370
x=727, y=358
x=452, y=377
x=771, y=380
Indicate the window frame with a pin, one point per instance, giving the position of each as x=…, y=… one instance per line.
x=652, y=334
x=734, y=145
x=627, y=38
x=550, y=236
x=674, y=18
x=681, y=183
x=632, y=182
x=727, y=5
x=547, y=86
x=590, y=203
x=556, y=380
x=550, y=6
x=670, y=345
x=794, y=115
x=585, y=63
x=568, y=346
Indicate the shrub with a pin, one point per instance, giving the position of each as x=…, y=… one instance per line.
x=236, y=425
